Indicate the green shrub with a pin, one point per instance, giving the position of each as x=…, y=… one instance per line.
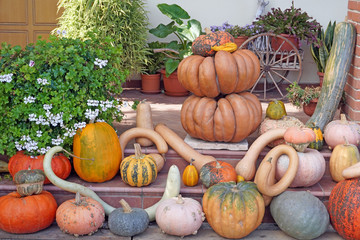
x=52, y=88
x=125, y=21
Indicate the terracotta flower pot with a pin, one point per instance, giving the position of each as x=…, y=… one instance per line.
x=309, y=108
x=321, y=77
x=240, y=40
x=276, y=42
x=172, y=85
x=150, y=83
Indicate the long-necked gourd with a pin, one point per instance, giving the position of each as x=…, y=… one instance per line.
x=172, y=188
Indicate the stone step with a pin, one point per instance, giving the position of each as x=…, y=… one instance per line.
x=114, y=190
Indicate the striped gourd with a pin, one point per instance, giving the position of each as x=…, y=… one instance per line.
x=138, y=170
x=335, y=76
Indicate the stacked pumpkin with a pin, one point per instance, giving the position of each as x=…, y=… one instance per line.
x=219, y=109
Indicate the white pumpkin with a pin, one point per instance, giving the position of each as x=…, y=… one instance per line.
x=310, y=171
x=179, y=216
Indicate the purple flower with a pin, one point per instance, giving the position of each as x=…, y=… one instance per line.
x=31, y=63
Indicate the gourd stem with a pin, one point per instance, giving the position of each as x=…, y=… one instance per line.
x=137, y=148
x=77, y=156
x=77, y=199
x=126, y=207
x=180, y=200
x=343, y=118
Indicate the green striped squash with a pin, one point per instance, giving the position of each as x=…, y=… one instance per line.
x=138, y=170
x=335, y=75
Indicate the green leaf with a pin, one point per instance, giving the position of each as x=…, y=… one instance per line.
x=174, y=12
x=171, y=66
x=162, y=31
x=191, y=31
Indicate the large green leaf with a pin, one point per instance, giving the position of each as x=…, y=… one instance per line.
x=171, y=65
x=329, y=34
x=191, y=31
x=174, y=11
x=162, y=31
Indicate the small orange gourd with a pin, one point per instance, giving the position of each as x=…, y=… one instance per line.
x=190, y=175
x=299, y=138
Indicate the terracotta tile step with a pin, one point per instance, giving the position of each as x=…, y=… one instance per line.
x=114, y=190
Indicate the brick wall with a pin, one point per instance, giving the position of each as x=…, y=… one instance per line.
x=352, y=88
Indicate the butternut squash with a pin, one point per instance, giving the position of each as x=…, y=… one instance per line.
x=131, y=133
x=352, y=172
x=246, y=167
x=182, y=148
x=265, y=175
x=144, y=119
x=159, y=160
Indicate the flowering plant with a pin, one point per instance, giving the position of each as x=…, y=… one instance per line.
x=237, y=31
x=299, y=96
x=291, y=21
x=52, y=88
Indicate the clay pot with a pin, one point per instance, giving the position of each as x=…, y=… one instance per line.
x=240, y=40
x=172, y=85
x=309, y=108
x=150, y=83
x=321, y=77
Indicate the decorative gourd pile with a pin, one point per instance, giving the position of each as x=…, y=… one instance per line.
x=219, y=110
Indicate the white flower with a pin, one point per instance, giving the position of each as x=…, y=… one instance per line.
x=29, y=99
x=42, y=81
x=91, y=114
x=6, y=77
x=100, y=63
x=31, y=63
x=58, y=141
x=80, y=125
x=94, y=103
x=39, y=133
x=47, y=107
x=43, y=150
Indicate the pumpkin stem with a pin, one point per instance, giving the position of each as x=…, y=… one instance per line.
x=92, y=120
x=77, y=156
x=138, y=152
x=126, y=207
x=269, y=159
x=78, y=200
x=343, y=118
x=180, y=200
x=191, y=161
x=163, y=155
x=218, y=164
x=346, y=141
x=207, y=30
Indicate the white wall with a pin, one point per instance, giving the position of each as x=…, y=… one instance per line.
x=242, y=12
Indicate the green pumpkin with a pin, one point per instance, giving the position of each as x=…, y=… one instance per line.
x=127, y=221
x=300, y=214
x=29, y=182
x=275, y=110
x=319, y=141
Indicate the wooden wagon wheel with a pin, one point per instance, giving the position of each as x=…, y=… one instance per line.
x=275, y=63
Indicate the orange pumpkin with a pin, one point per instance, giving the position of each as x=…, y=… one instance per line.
x=27, y=214
x=203, y=44
x=299, y=138
x=230, y=119
x=223, y=74
x=190, y=175
x=20, y=161
x=217, y=171
x=80, y=216
x=99, y=146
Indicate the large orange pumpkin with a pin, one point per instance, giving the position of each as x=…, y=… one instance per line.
x=99, y=146
x=233, y=210
x=27, y=214
x=344, y=208
x=223, y=74
x=202, y=45
x=230, y=119
x=20, y=161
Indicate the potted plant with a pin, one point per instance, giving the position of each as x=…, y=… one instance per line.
x=51, y=89
x=175, y=51
x=320, y=49
x=150, y=76
x=303, y=97
x=292, y=23
x=240, y=34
